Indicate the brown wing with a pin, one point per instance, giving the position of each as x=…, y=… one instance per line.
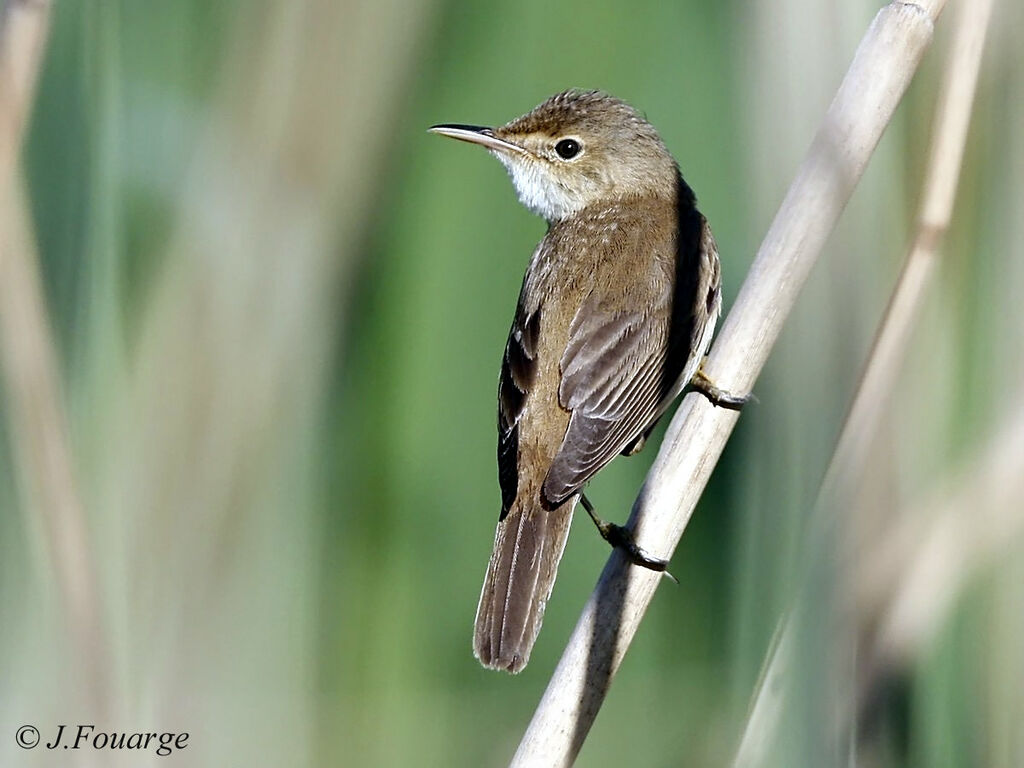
x=621, y=369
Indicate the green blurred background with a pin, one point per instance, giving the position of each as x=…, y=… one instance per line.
x=280, y=305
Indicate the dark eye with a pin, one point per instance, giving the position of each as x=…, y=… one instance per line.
x=567, y=149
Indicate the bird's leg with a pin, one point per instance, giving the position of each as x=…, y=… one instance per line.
x=701, y=383
x=621, y=538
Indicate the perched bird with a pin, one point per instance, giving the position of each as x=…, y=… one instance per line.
x=616, y=312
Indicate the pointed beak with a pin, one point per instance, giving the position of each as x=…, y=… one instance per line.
x=476, y=134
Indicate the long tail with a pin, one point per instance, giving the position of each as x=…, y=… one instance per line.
x=527, y=547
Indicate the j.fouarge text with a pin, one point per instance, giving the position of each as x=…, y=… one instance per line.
x=86, y=736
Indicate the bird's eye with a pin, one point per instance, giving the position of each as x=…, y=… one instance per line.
x=567, y=149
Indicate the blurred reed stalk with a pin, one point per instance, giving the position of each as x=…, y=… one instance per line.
x=39, y=425
x=949, y=137
x=212, y=478
x=889, y=572
x=912, y=577
x=874, y=398
x=208, y=445
x=883, y=67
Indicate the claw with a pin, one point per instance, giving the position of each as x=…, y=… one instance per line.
x=621, y=538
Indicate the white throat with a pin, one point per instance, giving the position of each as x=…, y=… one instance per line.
x=538, y=191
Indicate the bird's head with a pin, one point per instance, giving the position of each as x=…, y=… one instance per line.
x=577, y=149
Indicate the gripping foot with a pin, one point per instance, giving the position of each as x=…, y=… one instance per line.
x=621, y=538
x=701, y=383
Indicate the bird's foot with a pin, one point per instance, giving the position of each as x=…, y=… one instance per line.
x=701, y=383
x=621, y=538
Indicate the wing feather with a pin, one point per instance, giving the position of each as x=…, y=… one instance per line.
x=622, y=368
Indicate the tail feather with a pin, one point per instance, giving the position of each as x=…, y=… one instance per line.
x=527, y=548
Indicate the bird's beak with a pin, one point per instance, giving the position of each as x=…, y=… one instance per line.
x=476, y=134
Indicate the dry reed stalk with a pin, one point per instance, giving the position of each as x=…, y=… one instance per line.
x=883, y=66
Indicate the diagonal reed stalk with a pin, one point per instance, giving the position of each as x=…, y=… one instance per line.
x=884, y=64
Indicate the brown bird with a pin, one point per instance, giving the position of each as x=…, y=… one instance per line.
x=616, y=312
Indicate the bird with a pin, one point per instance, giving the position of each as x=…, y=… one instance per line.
x=616, y=312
